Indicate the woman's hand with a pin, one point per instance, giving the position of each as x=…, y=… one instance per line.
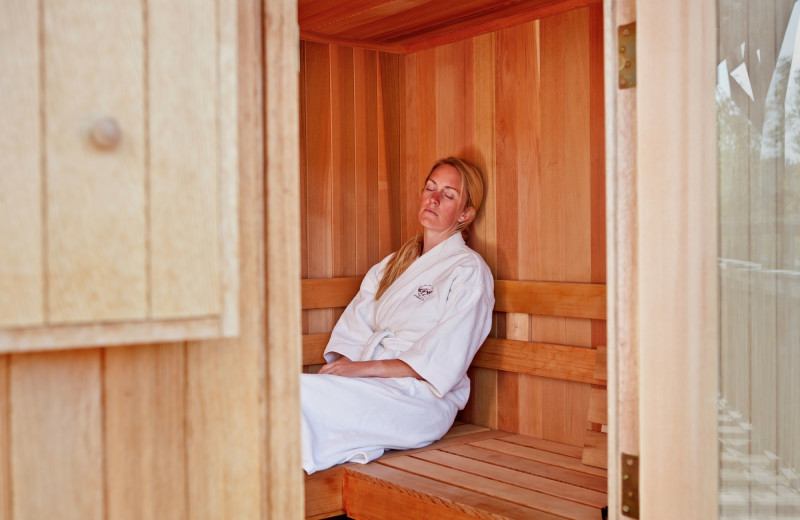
x=383, y=368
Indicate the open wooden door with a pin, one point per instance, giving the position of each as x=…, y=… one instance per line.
x=662, y=232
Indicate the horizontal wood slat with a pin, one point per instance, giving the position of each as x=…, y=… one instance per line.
x=329, y=293
x=476, y=477
x=570, y=300
x=313, y=347
x=538, y=359
x=521, y=357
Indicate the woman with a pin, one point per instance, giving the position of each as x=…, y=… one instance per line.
x=398, y=356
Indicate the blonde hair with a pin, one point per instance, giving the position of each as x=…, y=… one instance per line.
x=471, y=189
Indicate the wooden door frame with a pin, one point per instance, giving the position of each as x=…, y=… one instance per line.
x=282, y=476
x=662, y=267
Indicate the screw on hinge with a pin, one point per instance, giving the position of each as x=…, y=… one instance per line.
x=626, y=36
x=630, y=485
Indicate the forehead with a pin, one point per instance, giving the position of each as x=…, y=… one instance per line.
x=446, y=175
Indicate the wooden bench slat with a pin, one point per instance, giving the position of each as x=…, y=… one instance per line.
x=538, y=359
x=570, y=300
x=522, y=357
x=595, y=451
x=601, y=368
x=564, y=299
x=598, y=405
x=554, y=459
x=533, y=467
x=327, y=293
x=324, y=493
x=517, y=478
x=379, y=492
x=494, y=488
x=545, y=445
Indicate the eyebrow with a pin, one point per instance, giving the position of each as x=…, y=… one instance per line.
x=446, y=187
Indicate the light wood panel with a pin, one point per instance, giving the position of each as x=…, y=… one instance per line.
x=92, y=195
x=518, y=103
x=21, y=277
x=147, y=431
x=622, y=275
x=184, y=156
x=56, y=416
x=281, y=485
x=677, y=264
x=145, y=436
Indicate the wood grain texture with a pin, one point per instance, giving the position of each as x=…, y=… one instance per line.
x=276, y=397
x=580, y=300
x=494, y=488
x=183, y=138
x=545, y=360
x=325, y=293
x=92, y=195
x=531, y=467
x=107, y=334
x=323, y=493
x=319, y=248
x=145, y=457
x=21, y=226
x=677, y=300
x=5, y=439
x=622, y=277
x=57, y=476
x=411, y=497
x=595, y=449
x=516, y=478
x=496, y=99
x=404, y=27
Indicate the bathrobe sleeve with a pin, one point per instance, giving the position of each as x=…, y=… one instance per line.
x=357, y=323
x=443, y=354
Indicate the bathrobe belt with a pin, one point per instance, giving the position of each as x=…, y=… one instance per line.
x=387, y=340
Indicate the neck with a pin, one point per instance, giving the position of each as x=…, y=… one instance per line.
x=432, y=239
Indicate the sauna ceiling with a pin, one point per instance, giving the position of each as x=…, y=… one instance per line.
x=405, y=26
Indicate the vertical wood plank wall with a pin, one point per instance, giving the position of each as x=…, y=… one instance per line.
x=526, y=104
x=149, y=431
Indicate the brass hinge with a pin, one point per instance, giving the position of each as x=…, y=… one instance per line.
x=626, y=37
x=630, y=485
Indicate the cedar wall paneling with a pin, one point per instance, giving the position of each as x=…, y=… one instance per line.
x=525, y=103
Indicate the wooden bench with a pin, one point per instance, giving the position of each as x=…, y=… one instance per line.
x=476, y=472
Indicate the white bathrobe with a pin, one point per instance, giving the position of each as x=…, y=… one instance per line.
x=434, y=317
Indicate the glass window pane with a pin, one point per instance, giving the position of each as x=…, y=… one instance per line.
x=758, y=118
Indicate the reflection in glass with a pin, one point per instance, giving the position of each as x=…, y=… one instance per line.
x=758, y=115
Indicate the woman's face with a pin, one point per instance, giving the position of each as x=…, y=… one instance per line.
x=441, y=206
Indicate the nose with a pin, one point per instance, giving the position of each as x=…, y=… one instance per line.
x=435, y=198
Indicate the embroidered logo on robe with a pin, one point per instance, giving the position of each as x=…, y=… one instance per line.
x=424, y=292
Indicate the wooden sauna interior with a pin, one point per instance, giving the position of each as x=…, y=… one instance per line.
x=386, y=88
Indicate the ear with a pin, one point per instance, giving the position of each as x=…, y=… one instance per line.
x=467, y=214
